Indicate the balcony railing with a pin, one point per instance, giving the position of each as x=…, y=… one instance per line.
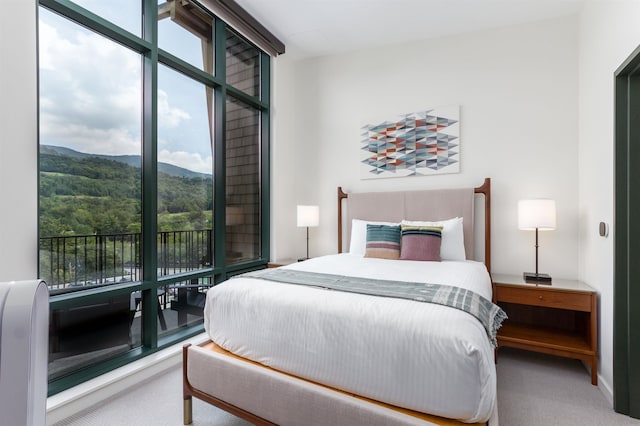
x=69, y=263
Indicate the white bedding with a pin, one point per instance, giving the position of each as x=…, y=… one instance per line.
x=420, y=356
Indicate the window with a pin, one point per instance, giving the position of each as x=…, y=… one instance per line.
x=186, y=31
x=90, y=203
x=153, y=174
x=124, y=13
x=185, y=202
x=242, y=219
x=243, y=65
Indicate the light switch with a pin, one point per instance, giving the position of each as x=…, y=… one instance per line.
x=603, y=229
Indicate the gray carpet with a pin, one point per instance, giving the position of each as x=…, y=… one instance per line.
x=156, y=402
x=537, y=389
x=533, y=389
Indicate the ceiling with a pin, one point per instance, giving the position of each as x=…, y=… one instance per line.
x=319, y=27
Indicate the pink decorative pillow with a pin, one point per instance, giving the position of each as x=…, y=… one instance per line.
x=421, y=243
x=452, y=245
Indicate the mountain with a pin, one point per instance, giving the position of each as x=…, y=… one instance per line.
x=83, y=194
x=130, y=160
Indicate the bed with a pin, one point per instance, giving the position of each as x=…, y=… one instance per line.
x=302, y=344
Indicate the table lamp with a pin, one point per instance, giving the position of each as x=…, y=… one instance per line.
x=308, y=216
x=539, y=215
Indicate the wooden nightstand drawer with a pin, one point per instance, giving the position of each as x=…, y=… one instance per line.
x=538, y=296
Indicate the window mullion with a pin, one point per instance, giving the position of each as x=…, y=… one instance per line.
x=187, y=69
x=96, y=23
x=219, y=159
x=265, y=156
x=150, y=178
x=248, y=99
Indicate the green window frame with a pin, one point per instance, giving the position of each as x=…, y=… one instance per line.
x=224, y=93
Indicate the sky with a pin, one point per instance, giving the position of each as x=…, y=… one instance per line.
x=91, y=90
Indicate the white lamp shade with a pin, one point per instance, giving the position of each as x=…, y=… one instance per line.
x=308, y=215
x=538, y=213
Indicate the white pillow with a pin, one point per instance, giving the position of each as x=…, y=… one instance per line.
x=452, y=245
x=358, y=243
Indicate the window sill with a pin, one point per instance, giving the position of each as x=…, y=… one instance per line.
x=90, y=393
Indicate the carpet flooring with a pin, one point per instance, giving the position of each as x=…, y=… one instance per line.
x=533, y=389
x=536, y=389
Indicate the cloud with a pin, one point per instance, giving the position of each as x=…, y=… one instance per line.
x=110, y=141
x=91, y=91
x=188, y=160
x=169, y=116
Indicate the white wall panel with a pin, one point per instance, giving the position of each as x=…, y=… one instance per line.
x=18, y=142
x=517, y=90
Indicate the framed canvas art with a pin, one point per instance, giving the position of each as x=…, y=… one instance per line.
x=417, y=144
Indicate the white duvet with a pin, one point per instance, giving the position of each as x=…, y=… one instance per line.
x=420, y=356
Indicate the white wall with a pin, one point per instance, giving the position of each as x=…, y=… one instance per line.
x=518, y=93
x=609, y=32
x=282, y=157
x=18, y=142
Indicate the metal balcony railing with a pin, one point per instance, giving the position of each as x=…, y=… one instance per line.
x=70, y=263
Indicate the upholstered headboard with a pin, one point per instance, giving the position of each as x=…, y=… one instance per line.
x=432, y=205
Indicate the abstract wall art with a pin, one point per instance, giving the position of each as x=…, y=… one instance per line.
x=417, y=144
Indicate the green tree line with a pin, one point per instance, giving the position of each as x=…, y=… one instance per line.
x=84, y=196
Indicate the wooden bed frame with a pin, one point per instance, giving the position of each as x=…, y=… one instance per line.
x=213, y=368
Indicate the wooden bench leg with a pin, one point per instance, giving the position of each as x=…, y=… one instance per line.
x=187, y=399
x=188, y=410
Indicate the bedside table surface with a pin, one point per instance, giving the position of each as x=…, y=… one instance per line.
x=281, y=262
x=556, y=283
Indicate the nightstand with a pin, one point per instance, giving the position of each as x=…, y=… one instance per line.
x=279, y=263
x=559, y=319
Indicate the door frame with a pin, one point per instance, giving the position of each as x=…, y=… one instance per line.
x=626, y=339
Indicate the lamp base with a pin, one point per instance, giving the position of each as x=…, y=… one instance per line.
x=302, y=259
x=532, y=277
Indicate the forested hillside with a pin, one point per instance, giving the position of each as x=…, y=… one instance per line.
x=83, y=195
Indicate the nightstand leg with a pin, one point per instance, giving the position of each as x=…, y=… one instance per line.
x=594, y=371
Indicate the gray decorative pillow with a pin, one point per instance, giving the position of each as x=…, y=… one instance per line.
x=383, y=241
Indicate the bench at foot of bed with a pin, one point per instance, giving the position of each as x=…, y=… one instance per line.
x=264, y=396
